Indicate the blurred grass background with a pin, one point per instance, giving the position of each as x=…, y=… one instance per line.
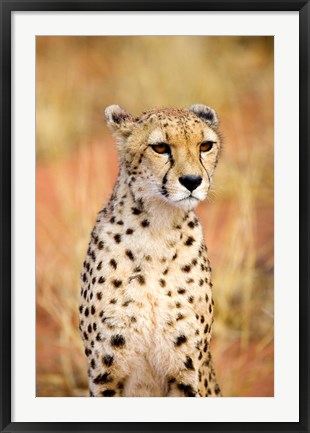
x=76, y=78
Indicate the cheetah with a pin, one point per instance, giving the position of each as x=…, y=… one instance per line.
x=146, y=308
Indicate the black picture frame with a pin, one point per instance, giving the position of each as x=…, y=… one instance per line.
x=6, y=8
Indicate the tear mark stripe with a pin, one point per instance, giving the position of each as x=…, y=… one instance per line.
x=164, y=181
x=204, y=169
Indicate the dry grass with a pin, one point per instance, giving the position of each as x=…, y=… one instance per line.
x=77, y=166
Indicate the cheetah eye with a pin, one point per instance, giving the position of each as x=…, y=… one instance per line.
x=206, y=146
x=161, y=148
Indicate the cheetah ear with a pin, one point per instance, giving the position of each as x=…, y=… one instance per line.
x=119, y=120
x=205, y=113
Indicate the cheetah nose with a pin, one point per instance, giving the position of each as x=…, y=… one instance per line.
x=190, y=182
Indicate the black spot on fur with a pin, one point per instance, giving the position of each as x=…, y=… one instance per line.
x=130, y=255
x=93, y=309
x=99, y=296
x=126, y=303
x=108, y=393
x=189, y=363
x=101, y=379
x=190, y=240
x=180, y=340
x=129, y=231
x=86, y=312
x=113, y=263
x=100, y=245
x=141, y=279
x=101, y=280
x=107, y=360
x=145, y=223
x=117, y=238
x=118, y=340
x=186, y=268
x=117, y=283
x=99, y=337
x=162, y=282
x=135, y=211
x=187, y=389
x=99, y=266
x=181, y=291
x=88, y=352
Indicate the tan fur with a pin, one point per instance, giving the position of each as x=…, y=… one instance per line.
x=146, y=306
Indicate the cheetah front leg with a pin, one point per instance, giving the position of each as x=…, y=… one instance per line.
x=106, y=379
x=208, y=386
x=185, y=382
x=109, y=355
x=184, y=385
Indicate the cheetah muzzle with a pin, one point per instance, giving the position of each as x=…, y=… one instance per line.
x=146, y=308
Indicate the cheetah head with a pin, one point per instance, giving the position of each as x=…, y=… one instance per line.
x=167, y=154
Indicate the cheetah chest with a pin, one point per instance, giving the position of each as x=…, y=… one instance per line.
x=160, y=300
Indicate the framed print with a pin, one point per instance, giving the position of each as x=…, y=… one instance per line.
x=118, y=118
